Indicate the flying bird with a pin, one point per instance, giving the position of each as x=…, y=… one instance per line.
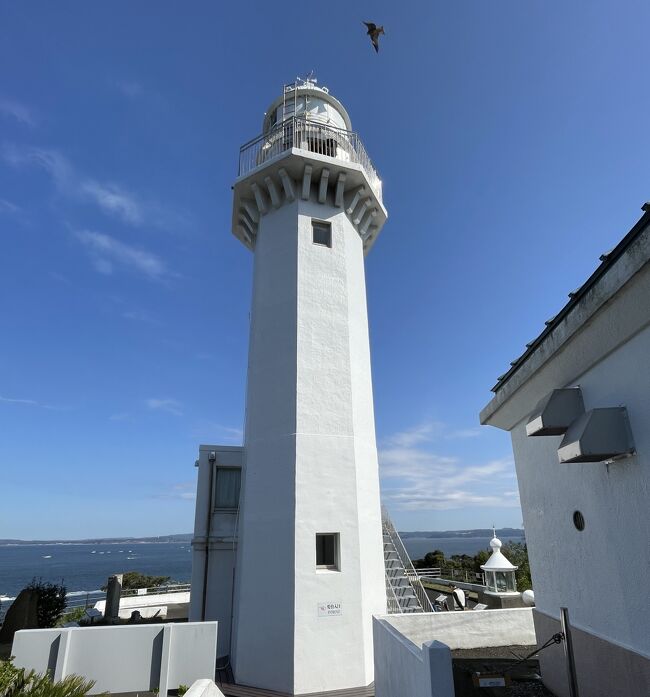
x=373, y=32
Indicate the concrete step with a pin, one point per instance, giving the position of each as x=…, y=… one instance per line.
x=400, y=579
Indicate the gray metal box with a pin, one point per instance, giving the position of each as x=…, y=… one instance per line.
x=597, y=435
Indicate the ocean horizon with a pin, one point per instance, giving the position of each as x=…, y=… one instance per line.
x=84, y=567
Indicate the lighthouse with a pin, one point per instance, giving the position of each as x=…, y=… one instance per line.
x=309, y=570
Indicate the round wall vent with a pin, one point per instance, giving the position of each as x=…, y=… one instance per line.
x=578, y=520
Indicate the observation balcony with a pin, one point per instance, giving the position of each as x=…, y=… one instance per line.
x=309, y=135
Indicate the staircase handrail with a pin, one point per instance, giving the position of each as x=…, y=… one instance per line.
x=409, y=569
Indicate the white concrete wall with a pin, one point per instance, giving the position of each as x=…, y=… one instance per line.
x=404, y=669
x=311, y=462
x=170, y=605
x=595, y=573
x=469, y=629
x=122, y=658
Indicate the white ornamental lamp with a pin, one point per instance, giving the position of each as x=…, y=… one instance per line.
x=499, y=572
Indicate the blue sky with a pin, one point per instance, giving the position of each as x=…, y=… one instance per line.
x=512, y=138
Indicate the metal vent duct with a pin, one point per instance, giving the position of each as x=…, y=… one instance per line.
x=554, y=414
x=597, y=435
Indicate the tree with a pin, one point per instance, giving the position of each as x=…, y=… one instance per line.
x=517, y=553
x=480, y=559
x=51, y=602
x=136, y=579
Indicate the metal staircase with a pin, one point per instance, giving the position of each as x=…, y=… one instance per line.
x=404, y=590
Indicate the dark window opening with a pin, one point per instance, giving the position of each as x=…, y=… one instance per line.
x=327, y=550
x=321, y=233
x=226, y=488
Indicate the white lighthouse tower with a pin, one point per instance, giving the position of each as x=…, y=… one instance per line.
x=310, y=571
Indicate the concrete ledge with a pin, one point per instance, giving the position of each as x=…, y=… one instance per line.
x=467, y=630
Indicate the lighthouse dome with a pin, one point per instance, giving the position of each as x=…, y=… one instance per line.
x=305, y=99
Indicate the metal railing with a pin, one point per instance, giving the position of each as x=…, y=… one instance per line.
x=306, y=134
x=86, y=600
x=158, y=590
x=430, y=572
x=409, y=570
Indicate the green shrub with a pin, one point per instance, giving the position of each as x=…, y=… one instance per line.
x=182, y=689
x=73, y=615
x=17, y=682
x=51, y=602
x=136, y=579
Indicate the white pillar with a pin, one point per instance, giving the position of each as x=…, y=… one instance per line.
x=311, y=462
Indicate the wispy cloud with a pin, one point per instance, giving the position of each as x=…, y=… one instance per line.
x=129, y=88
x=8, y=207
x=142, y=317
x=106, y=251
x=59, y=278
x=416, y=478
x=26, y=402
x=171, y=406
x=465, y=433
x=417, y=434
x=111, y=198
x=211, y=431
x=122, y=416
x=17, y=111
x=429, y=431
x=183, y=491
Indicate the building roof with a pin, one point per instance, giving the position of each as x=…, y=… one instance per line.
x=607, y=261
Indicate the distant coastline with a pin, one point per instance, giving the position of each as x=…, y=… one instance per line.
x=161, y=539
x=478, y=532
x=187, y=537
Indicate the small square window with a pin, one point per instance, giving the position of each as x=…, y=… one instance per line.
x=327, y=550
x=321, y=233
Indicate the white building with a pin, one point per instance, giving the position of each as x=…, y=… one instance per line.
x=577, y=405
x=294, y=570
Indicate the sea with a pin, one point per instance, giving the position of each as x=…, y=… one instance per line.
x=84, y=568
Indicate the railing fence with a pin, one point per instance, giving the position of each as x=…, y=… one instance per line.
x=305, y=134
x=409, y=570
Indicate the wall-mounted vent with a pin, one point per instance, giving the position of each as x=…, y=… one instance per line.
x=555, y=413
x=596, y=436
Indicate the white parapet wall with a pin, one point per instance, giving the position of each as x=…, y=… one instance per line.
x=469, y=629
x=123, y=658
x=170, y=605
x=402, y=668
x=413, y=651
